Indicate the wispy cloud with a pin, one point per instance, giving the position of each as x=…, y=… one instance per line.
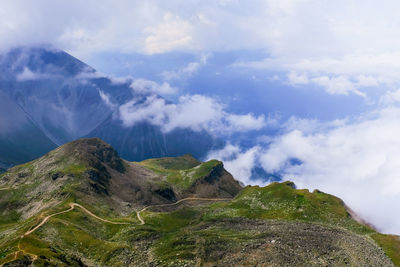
x=171, y=33
x=187, y=70
x=107, y=100
x=29, y=75
x=147, y=86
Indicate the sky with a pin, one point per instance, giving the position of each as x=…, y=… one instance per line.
x=307, y=89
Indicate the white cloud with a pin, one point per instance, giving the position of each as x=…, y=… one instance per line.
x=89, y=73
x=238, y=162
x=353, y=160
x=172, y=33
x=295, y=78
x=28, y=75
x=195, y=112
x=344, y=46
x=337, y=85
x=300, y=29
x=241, y=123
x=107, y=100
x=147, y=86
x=390, y=98
x=187, y=70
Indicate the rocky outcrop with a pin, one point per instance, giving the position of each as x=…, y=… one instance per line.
x=217, y=183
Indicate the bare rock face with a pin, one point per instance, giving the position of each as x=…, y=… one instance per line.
x=217, y=183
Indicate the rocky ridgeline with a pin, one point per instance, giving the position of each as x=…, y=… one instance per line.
x=104, y=211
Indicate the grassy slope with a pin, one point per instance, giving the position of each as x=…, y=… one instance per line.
x=281, y=201
x=390, y=244
x=173, y=163
x=174, y=238
x=181, y=172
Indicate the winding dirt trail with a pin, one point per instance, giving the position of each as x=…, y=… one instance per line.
x=95, y=216
x=72, y=207
x=45, y=220
x=5, y=188
x=175, y=203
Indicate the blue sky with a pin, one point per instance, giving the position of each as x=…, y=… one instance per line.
x=243, y=89
x=313, y=80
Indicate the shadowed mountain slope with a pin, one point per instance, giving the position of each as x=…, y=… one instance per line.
x=20, y=139
x=55, y=98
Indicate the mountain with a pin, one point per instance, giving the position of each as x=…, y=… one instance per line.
x=45, y=84
x=82, y=205
x=62, y=99
x=143, y=140
x=90, y=171
x=20, y=139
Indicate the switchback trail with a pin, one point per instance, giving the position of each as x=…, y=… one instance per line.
x=175, y=203
x=72, y=207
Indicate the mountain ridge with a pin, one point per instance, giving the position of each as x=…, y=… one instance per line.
x=62, y=98
x=82, y=205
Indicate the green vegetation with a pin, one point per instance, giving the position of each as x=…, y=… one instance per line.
x=183, y=236
x=293, y=227
x=74, y=169
x=175, y=172
x=390, y=244
x=179, y=240
x=177, y=163
x=281, y=201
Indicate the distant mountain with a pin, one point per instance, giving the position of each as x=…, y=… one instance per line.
x=20, y=139
x=144, y=140
x=59, y=97
x=46, y=84
x=82, y=205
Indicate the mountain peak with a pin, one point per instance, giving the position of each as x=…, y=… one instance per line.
x=94, y=152
x=41, y=60
x=91, y=170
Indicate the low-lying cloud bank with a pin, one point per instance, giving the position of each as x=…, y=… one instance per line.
x=357, y=160
x=196, y=112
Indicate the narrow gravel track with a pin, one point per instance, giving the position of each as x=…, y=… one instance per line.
x=73, y=205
